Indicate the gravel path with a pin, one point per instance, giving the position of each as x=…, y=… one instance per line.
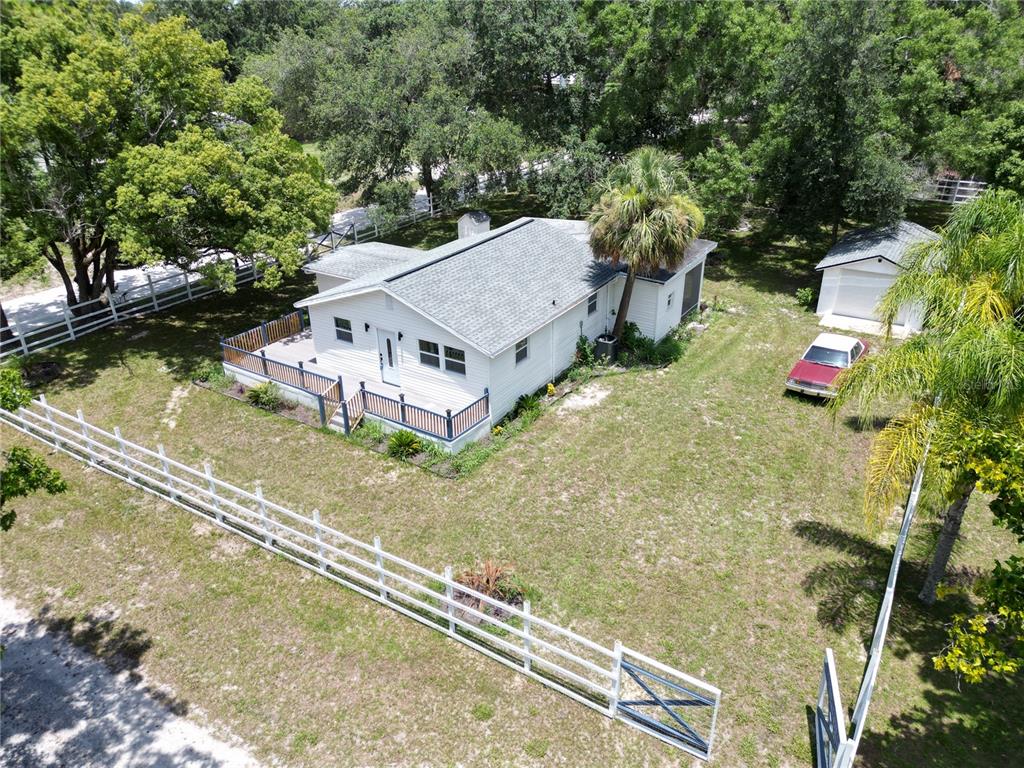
x=63, y=707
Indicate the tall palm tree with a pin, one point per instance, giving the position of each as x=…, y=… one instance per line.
x=965, y=371
x=644, y=218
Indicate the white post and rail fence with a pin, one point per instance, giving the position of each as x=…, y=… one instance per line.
x=615, y=681
x=835, y=745
x=171, y=290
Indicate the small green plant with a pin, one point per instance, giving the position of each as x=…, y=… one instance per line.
x=212, y=374
x=537, y=748
x=403, y=444
x=266, y=396
x=638, y=349
x=369, y=433
x=806, y=297
x=527, y=404
x=585, y=355
x=483, y=712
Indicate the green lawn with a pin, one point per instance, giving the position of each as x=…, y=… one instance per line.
x=698, y=514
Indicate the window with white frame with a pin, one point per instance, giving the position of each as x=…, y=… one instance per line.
x=592, y=304
x=455, y=360
x=522, y=350
x=430, y=354
x=671, y=298
x=343, y=329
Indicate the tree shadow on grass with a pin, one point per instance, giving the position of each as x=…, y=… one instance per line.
x=768, y=259
x=72, y=695
x=978, y=725
x=183, y=338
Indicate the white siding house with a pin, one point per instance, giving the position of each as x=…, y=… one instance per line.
x=858, y=271
x=481, y=320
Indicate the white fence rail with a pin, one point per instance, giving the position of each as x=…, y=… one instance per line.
x=585, y=671
x=831, y=739
x=172, y=290
x=955, y=191
x=356, y=232
x=165, y=292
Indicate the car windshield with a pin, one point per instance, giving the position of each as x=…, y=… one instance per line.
x=837, y=358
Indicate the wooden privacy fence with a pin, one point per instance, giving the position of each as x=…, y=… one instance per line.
x=90, y=316
x=615, y=681
x=267, y=333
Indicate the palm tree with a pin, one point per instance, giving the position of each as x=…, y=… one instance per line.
x=964, y=372
x=644, y=219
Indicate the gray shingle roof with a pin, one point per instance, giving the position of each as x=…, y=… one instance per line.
x=890, y=243
x=496, y=288
x=354, y=261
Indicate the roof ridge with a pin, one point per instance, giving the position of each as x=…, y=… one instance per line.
x=503, y=230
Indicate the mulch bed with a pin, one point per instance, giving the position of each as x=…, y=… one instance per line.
x=36, y=374
x=288, y=410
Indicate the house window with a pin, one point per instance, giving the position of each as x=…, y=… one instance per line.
x=455, y=360
x=522, y=350
x=343, y=329
x=430, y=354
x=671, y=297
x=592, y=304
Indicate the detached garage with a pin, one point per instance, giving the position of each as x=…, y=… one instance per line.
x=858, y=271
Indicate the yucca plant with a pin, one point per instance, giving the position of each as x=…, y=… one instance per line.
x=644, y=218
x=266, y=396
x=964, y=371
x=403, y=444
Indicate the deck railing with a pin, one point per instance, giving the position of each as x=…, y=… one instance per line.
x=266, y=333
x=329, y=392
x=445, y=426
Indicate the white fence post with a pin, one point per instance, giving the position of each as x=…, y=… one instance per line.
x=213, y=490
x=67, y=322
x=188, y=285
x=21, y=337
x=379, y=555
x=152, y=291
x=263, y=515
x=613, y=697
x=124, y=451
x=319, y=541
x=450, y=594
x=85, y=434
x=527, y=643
x=110, y=303
x=168, y=477
x=51, y=422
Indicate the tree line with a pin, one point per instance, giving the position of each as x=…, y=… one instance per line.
x=824, y=110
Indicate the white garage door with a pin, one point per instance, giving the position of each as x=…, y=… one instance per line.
x=859, y=293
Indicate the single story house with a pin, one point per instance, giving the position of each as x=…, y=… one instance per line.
x=857, y=272
x=497, y=312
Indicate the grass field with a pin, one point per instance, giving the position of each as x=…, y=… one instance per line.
x=698, y=514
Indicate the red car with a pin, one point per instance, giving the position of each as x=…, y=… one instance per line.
x=828, y=354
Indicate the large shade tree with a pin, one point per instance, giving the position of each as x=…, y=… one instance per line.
x=829, y=147
x=124, y=145
x=963, y=374
x=644, y=219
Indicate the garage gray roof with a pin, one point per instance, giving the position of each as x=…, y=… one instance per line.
x=354, y=261
x=495, y=288
x=890, y=243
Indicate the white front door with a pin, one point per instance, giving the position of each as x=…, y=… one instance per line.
x=387, y=345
